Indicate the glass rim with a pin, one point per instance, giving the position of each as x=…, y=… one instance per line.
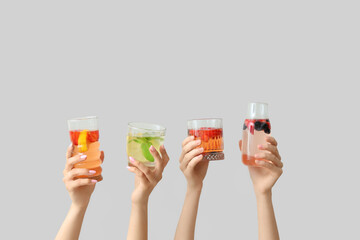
x=204, y=119
x=82, y=118
x=132, y=125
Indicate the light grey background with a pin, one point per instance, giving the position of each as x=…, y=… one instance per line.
x=166, y=62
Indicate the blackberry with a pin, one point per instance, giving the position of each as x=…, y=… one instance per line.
x=258, y=126
x=267, y=129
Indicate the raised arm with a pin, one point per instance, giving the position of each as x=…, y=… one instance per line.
x=145, y=181
x=194, y=168
x=80, y=190
x=264, y=177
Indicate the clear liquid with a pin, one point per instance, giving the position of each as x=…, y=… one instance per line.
x=138, y=148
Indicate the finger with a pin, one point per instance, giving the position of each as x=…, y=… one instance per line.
x=188, y=147
x=82, y=182
x=192, y=164
x=187, y=140
x=159, y=161
x=270, y=157
x=271, y=148
x=271, y=140
x=164, y=155
x=270, y=166
x=139, y=174
x=72, y=161
x=240, y=145
x=145, y=170
x=102, y=156
x=192, y=154
x=76, y=172
x=69, y=151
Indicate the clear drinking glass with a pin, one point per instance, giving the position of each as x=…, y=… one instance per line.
x=210, y=132
x=255, y=129
x=84, y=135
x=140, y=138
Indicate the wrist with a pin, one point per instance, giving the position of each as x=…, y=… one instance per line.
x=139, y=204
x=79, y=207
x=194, y=187
x=143, y=200
x=263, y=194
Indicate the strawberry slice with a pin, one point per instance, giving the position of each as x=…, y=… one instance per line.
x=74, y=135
x=251, y=127
x=93, y=136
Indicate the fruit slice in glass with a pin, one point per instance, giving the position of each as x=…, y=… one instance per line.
x=140, y=138
x=84, y=135
x=210, y=132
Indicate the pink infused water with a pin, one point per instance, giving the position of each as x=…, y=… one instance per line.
x=255, y=130
x=252, y=138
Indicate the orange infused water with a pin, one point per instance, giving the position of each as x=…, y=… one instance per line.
x=210, y=132
x=84, y=135
x=87, y=143
x=211, y=138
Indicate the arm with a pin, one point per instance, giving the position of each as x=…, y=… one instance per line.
x=80, y=191
x=70, y=229
x=194, y=168
x=264, y=177
x=266, y=218
x=145, y=181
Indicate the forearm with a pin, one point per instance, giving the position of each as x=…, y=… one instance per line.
x=138, y=222
x=266, y=217
x=186, y=227
x=70, y=229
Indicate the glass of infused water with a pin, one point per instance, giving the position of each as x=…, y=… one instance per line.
x=84, y=135
x=141, y=136
x=210, y=132
x=255, y=129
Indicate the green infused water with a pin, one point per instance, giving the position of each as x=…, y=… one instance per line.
x=138, y=148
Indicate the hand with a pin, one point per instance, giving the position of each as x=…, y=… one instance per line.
x=268, y=169
x=192, y=163
x=147, y=178
x=80, y=189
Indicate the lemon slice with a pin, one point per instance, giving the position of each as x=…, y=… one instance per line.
x=82, y=141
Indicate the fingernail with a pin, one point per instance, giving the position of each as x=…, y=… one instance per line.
x=198, y=142
x=82, y=157
x=91, y=172
x=201, y=150
x=257, y=161
x=151, y=148
x=257, y=156
x=94, y=181
x=260, y=146
x=200, y=156
x=132, y=160
x=128, y=167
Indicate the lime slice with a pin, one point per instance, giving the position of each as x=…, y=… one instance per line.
x=145, y=151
